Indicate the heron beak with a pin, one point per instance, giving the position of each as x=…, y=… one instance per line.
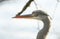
x=24, y=16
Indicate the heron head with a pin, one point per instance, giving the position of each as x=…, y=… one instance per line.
x=37, y=14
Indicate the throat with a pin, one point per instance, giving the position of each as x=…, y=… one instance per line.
x=43, y=32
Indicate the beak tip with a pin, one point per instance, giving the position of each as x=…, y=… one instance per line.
x=15, y=17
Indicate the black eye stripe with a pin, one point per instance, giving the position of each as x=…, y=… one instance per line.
x=44, y=14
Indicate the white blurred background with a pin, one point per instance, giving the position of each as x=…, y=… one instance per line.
x=27, y=28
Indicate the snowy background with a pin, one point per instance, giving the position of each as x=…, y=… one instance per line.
x=27, y=28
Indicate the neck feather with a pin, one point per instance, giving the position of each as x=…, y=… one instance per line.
x=43, y=32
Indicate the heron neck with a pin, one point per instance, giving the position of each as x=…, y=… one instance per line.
x=43, y=32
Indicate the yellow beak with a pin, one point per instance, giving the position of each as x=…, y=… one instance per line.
x=24, y=16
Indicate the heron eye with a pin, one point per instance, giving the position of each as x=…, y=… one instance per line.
x=35, y=15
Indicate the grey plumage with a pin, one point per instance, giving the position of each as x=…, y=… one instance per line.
x=39, y=12
x=2, y=0
x=40, y=15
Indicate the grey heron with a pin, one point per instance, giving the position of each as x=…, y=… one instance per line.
x=39, y=15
